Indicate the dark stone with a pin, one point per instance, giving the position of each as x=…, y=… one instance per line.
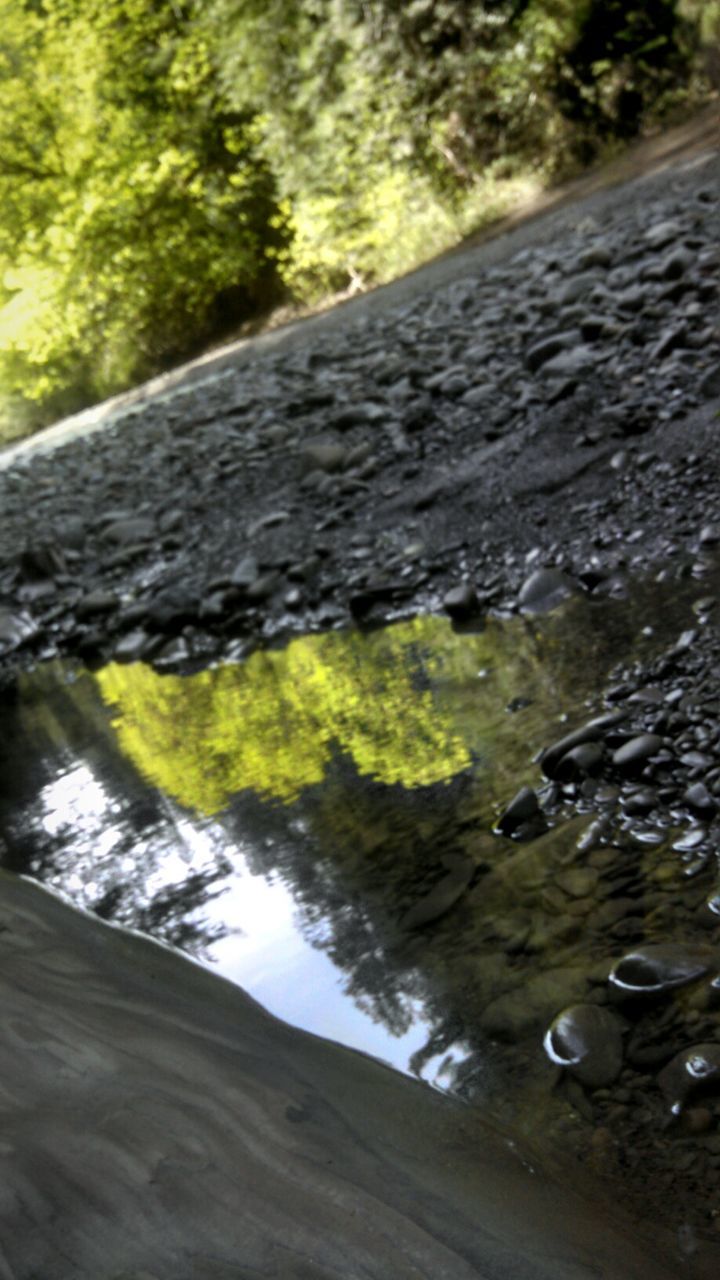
x=688, y=1071
x=461, y=601
x=366, y=598
x=172, y=608
x=709, y=385
x=441, y=898
x=699, y=801
x=632, y=756
x=96, y=603
x=657, y=968
x=586, y=1039
x=126, y=532
x=580, y=762
x=245, y=573
x=544, y=590
x=593, y=731
x=524, y=807
x=640, y=803
x=15, y=629
x=263, y=587
x=45, y=560
x=541, y=352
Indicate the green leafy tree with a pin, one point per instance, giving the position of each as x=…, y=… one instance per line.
x=136, y=210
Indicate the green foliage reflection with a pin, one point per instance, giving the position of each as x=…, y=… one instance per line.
x=272, y=724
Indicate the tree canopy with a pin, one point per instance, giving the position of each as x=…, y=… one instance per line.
x=170, y=169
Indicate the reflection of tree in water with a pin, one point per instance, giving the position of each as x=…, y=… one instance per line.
x=75, y=815
x=366, y=767
x=356, y=854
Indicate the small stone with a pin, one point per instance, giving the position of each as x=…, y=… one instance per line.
x=709, y=384
x=583, y=761
x=538, y=354
x=15, y=629
x=571, y=364
x=45, y=560
x=578, y=882
x=578, y=287
x=699, y=1065
x=586, y=1040
x=544, y=590
x=663, y=233
x=522, y=808
x=640, y=803
x=699, y=801
x=245, y=573
x=657, y=968
x=129, y=531
x=632, y=756
x=441, y=898
x=324, y=457
x=461, y=601
x=263, y=587
x=675, y=264
x=293, y=599
x=269, y=521
x=593, y=731
x=96, y=603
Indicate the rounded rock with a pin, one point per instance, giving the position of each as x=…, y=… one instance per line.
x=586, y=1040
x=544, y=590
x=632, y=756
x=687, y=1071
x=657, y=968
x=522, y=808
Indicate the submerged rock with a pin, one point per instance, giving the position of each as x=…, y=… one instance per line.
x=592, y=732
x=440, y=899
x=586, y=1039
x=656, y=968
x=544, y=590
x=689, y=1070
x=632, y=756
x=524, y=807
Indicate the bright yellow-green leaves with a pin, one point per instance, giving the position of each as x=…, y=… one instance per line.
x=157, y=159
x=272, y=724
x=413, y=705
x=123, y=213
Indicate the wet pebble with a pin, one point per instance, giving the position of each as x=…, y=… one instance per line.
x=699, y=801
x=632, y=756
x=656, y=968
x=592, y=732
x=688, y=1071
x=524, y=807
x=586, y=1040
x=544, y=590
x=461, y=601
x=579, y=762
x=441, y=898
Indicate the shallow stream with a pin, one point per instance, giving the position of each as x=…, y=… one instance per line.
x=318, y=824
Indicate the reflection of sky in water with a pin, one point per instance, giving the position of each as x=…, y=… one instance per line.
x=278, y=818
x=261, y=944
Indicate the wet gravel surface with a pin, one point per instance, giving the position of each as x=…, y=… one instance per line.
x=541, y=426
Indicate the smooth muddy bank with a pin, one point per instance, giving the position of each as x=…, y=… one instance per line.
x=164, y=1124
